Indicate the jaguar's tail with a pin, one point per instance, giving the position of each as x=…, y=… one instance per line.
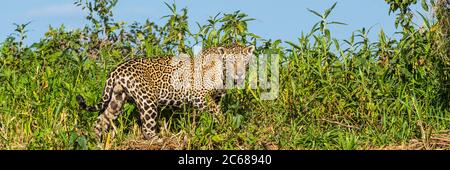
x=102, y=104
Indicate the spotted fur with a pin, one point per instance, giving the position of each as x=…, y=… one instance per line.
x=149, y=82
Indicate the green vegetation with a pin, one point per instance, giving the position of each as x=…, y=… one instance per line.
x=350, y=94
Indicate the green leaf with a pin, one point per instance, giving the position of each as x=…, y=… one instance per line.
x=327, y=33
x=328, y=11
x=314, y=12
x=425, y=5
x=336, y=43
x=72, y=138
x=293, y=45
x=425, y=20
x=82, y=142
x=217, y=138
x=170, y=7
x=54, y=56
x=237, y=121
x=58, y=109
x=337, y=23
x=67, y=86
x=253, y=35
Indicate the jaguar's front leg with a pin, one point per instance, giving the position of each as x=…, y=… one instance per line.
x=208, y=104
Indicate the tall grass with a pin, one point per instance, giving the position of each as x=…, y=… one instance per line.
x=334, y=94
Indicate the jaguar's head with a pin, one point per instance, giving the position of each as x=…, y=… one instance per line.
x=236, y=60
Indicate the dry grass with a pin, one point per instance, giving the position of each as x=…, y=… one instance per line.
x=437, y=141
x=174, y=142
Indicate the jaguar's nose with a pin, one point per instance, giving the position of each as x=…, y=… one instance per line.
x=239, y=76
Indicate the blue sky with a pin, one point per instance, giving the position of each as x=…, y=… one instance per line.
x=275, y=19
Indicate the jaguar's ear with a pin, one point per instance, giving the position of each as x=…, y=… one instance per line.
x=249, y=50
x=221, y=50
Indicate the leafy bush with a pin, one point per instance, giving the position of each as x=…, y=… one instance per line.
x=354, y=94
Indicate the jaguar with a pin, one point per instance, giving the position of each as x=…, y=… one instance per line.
x=199, y=81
